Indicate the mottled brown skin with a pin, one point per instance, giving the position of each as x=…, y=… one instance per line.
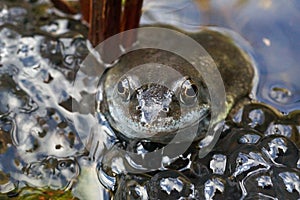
x=233, y=63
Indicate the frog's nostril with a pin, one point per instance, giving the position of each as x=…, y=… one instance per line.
x=165, y=109
x=143, y=123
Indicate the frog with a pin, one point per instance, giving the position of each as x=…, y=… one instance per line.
x=138, y=108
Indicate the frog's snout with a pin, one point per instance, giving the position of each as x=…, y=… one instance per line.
x=151, y=113
x=153, y=103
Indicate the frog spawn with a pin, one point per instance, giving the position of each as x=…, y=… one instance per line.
x=32, y=163
x=276, y=143
x=38, y=144
x=245, y=163
x=56, y=173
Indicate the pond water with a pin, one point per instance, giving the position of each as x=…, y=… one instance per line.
x=270, y=27
x=48, y=150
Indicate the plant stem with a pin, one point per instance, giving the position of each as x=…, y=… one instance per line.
x=106, y=18
x=85, y=8
x=113, y=17
x=131, y=19
x=97, y=22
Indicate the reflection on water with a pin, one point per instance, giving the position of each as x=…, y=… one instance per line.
x=271, y=28
x=43, y=157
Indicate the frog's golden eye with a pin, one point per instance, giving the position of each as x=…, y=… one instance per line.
x=124, y=89
x=188, y=92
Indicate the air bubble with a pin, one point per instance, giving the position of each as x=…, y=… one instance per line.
x=281, y=95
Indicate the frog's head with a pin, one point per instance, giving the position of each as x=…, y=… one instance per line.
x=154, y=101
x=153, y=104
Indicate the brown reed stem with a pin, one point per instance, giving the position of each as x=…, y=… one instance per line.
x=106, y=18
x=85, y=8
x=131, y=19
x=97, y=22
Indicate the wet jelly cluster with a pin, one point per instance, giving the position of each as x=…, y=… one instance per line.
x=257, y=157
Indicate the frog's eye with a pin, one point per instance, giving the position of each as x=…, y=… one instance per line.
x=188, y=92
x=123, y=89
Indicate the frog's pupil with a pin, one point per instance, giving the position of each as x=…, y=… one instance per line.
x=192, y=91
x=165, y=109
x=121, y=89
